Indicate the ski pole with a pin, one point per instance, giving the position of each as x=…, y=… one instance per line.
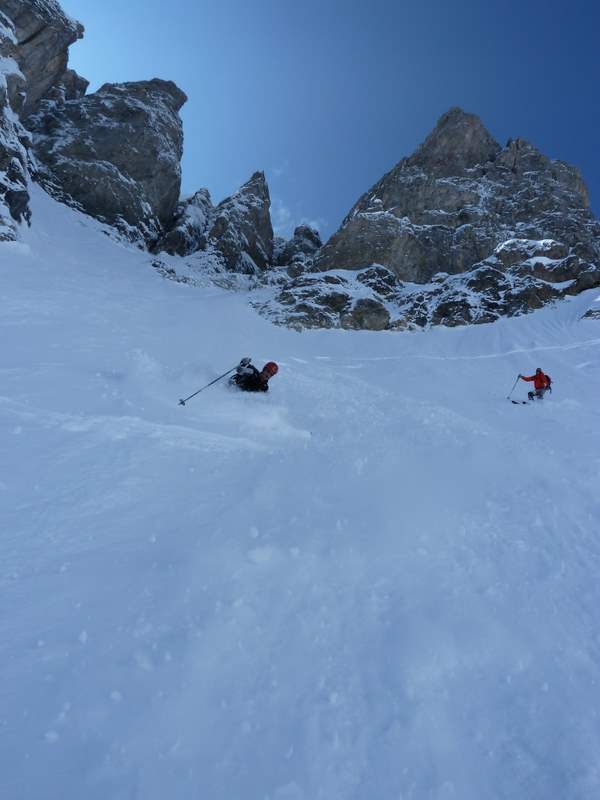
x=184, y=401
x=513, y=388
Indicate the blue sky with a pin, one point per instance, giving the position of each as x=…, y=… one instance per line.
x=327, y=96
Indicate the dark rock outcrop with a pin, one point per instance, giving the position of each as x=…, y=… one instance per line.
x=238, y=229
x=483, y=294
x=366, y=314
x=300, y=250
x=115, y=153
x=329, y=300
x=242, y=232
x=44, y=33
x=71, y=87
x=14, y=141
x=592, y=313
x=188, y=231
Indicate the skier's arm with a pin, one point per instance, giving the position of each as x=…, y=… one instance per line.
x=526, y=378
x=246, y=369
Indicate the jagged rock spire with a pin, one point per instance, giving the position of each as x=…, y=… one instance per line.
x=459, y=141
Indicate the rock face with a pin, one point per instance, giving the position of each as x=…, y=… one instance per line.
x=14, y=197
x=188, y=231
x=298, y=253
x=238, y=229
x=482, y=231
x=483, y=294
x=454, y=201
x=301, y=247
x=242, y=231
x=44, y=33
x=115, y=153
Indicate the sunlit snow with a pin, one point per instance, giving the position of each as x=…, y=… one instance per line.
x=378, y=581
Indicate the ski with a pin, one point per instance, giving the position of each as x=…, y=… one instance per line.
x=520, y=402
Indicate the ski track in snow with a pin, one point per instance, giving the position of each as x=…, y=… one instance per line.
x=379, y=580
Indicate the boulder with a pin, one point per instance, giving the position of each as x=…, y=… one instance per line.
x=115, y=154
x=366, y=314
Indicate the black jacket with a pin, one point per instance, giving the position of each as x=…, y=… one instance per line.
x=249, y=379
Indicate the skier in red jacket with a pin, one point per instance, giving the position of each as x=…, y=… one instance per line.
x=541, y=384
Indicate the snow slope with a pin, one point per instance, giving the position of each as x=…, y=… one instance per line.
x=378, y=581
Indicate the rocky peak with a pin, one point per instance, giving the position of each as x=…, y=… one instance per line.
x=44, y=34
x=448, y=206
x=238, y=230
x=458, y=142
x=486, y=232
x=309, y=235
x=255, y=187
x=242, y=232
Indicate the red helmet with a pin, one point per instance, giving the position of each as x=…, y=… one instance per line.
x=270, y=368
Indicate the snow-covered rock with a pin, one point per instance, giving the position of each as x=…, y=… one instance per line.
x=238, y=229
x=188, y=231
x=44, y=33
x=300, y=250
x=242, y=230
x=338, y=298
x=115, y=153
x=361, y=301
x=454, y=201
x=14, y=195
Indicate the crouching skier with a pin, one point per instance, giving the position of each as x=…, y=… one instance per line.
x=541, y=384
x=249, y=379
